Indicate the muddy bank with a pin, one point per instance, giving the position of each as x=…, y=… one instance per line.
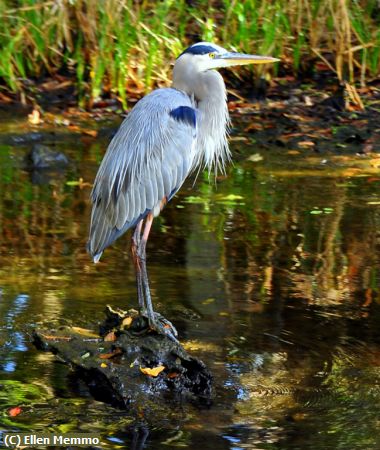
x=315, y=116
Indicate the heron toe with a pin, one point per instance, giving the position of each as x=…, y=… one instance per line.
x=160, y=325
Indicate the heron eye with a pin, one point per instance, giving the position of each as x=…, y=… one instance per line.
x=211, y=55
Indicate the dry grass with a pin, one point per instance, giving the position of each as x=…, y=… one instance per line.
x=114, y=47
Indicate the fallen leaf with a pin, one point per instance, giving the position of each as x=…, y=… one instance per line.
x=375, y=162
x=238, y=139
x=306, y=144
x=5, y=98
x=13, y=412
x=126, y=322
x=287, y=136
x=173, y=375
x=293, y=152
x=73, y=127
x=92, y=133
x=208, y=301
x=298, y=416
x=256, y=126
x=308, y=101
x=116, y=352
x=35, y=117
x=110, y=337
x=55, y=84
x=103, y=365
x=152, y=372
x=85, y=332
x=255, y=157
x=368, y=298
x=52, y=337
x=351, y=172
x=297, y=117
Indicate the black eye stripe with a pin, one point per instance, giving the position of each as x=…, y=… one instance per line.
x=199, y=50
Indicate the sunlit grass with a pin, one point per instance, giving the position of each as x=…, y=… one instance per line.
x=119, y=47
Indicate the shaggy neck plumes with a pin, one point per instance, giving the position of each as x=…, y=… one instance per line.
x=208, y=91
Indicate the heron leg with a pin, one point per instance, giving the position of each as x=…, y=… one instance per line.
x=156, y=321
x=136, y=240
x=144, y=272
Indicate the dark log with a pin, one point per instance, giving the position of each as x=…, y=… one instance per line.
x=113, y=361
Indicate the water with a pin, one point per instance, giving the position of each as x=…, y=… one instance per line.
x=271, y=277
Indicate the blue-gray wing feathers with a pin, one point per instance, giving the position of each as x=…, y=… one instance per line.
x=147, y=160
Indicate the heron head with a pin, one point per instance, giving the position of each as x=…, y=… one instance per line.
x=207, y=56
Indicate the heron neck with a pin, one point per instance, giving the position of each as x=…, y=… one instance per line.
x=214, y=123
x=209, y=91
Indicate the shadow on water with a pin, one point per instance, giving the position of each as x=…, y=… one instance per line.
x=271, y=277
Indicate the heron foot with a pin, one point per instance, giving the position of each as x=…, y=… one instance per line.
x=161, y=325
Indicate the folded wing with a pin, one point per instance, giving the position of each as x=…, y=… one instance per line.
x=147, y=161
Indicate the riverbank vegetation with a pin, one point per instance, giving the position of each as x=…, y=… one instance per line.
x=110, y=48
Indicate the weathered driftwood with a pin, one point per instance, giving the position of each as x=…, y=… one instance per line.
x=126, y=364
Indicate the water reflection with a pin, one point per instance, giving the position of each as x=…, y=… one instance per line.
x=272, y=277
x=13, y=340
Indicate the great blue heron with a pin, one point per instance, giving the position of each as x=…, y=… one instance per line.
x=167, y=135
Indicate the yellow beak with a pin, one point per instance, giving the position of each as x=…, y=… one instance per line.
x=238, y=59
